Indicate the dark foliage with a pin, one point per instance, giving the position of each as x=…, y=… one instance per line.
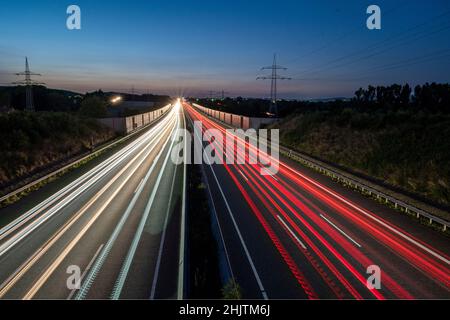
x=32, y=141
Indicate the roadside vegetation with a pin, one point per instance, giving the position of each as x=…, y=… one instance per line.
x=396, y=135
x=63, y=128
x=392, y=134
x=32, y=142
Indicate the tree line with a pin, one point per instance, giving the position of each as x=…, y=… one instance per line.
x=433, y=97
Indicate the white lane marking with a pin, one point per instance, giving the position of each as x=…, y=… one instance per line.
x=139, y=185
x=292, y=233
x=341, y=231
x=86, y=270
x=401, y=234
x=244, y=246
x=163, y=238
x=123, y=274
x=180, y=289
x=219, y=226
x=243, y=175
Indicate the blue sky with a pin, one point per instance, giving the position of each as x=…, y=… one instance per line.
x=190, y=47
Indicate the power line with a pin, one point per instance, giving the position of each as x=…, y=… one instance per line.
x=376, y=53
x=29, y=83
x=273, y=87
x=440, y=54
x=345, y=35
x=398, y=38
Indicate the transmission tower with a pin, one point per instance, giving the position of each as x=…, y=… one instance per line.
x=29, y=83
x=273, y=88
x=224, y=93
x=216, y=94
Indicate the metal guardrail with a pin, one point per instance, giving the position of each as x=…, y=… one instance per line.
x=74, y=163
x=398, y=204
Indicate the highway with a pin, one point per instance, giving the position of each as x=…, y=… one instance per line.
x=299, y=235
x=293, y=235
x=119, y=226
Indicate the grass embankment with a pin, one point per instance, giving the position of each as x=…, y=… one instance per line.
x=33, y=142
x=407, y=150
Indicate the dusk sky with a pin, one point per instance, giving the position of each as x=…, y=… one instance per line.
x=191, y=47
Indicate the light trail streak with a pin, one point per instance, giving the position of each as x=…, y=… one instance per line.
x=123, y=274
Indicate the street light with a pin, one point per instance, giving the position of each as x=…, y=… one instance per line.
x=116, y=99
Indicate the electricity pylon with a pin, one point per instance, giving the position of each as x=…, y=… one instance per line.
x=224, y=93
x=273, y=88
x=215, y=94
x=29, y=83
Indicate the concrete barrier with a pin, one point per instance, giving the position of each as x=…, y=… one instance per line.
x=126, y=125
x=235, y=120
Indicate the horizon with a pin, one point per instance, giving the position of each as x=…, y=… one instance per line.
x=186, y=50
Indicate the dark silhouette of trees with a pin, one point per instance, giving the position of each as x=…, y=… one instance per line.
x=33, y=141
x=93, y=107
x=428, y=97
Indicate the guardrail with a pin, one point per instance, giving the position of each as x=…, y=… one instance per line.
x=358, y=185
x=74, y=163
x=382, y=196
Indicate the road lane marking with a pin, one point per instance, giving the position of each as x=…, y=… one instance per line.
x=244, y=246
x=123, y=274
x=219, y=226
x=86, y=270
x=341, y=231
x=180, y=289
x=163, y=238
x=139, y=185
x=292, y=232
x=243, y=175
